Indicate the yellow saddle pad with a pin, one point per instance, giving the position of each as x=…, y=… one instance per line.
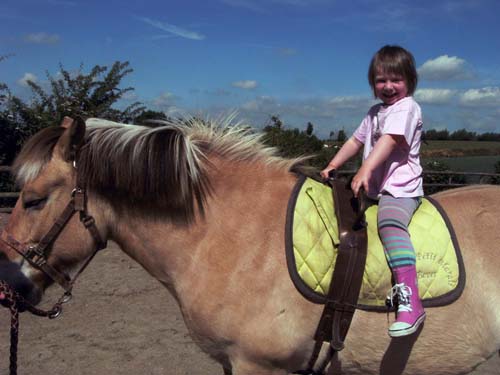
x=312, y=241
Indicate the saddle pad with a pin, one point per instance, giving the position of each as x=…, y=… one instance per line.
x=312, y=242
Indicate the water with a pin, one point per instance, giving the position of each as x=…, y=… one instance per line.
x=471, y=164
x=474, y=164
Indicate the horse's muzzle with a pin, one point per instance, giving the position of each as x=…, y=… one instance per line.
x=12, y=275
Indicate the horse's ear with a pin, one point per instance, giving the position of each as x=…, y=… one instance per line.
x=72, y=138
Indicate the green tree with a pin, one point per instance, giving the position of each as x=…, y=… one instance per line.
x=276, y=122
x=496, y=180
x=439, y=181
x=341, y=136
x=291, y=142
x=436, y=135
x=147, y=116
x=309, y=129
x=463, y=135
x=90, y=94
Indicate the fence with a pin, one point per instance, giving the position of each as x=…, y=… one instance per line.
x=465, y=176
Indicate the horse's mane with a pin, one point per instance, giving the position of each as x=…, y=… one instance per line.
x=154, y=169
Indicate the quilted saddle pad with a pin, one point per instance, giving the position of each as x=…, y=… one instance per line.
x=312, y=241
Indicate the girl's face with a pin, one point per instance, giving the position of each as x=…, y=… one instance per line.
x=390, y=88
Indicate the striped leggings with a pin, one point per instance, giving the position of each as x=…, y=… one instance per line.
x=394, y=215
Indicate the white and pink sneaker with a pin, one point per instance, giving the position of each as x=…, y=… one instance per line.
x=410, y=314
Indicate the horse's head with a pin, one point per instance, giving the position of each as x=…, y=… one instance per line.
x=44, y=238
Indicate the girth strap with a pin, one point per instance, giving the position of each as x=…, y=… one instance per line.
x=347, y=277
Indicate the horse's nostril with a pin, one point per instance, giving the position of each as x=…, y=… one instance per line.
x=12, y=275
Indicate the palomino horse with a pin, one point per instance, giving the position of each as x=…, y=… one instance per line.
x=202, y=208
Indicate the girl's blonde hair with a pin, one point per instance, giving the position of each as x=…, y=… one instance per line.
x=394, y=60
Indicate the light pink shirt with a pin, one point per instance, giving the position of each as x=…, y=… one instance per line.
x=401, y=174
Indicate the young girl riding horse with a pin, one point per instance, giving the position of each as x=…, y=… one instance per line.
x=391, y=172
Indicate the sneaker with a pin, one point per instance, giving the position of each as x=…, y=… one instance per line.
x=410, y=314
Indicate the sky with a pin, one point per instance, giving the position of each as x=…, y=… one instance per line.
x=302, y=60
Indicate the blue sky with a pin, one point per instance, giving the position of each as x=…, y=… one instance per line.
x=304, y=60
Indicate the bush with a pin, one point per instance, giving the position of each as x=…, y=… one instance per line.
x=496, y=180
x=439, y=179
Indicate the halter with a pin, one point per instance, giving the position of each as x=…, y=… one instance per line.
x=37, y=254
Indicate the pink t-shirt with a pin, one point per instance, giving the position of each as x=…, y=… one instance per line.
x=401, y=174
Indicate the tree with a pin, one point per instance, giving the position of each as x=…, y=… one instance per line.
x=78, y=94
x=291, y=142
x=436, y=135
x=309, y=129
x=439, y=179
x=341, y=137
x=146, y=117
x=496, y=180
x=332, y=135
x=8, y=141
x=276, y=122
x=91, y=94
x=463, y=135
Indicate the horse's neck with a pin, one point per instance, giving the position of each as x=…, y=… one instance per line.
x=241, y=195
x=157, y=245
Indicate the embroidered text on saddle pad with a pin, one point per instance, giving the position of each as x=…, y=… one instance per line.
x=312, y=241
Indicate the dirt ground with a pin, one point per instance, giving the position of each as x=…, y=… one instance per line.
x=120, y=321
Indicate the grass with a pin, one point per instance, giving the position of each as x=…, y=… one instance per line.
x=459, y=148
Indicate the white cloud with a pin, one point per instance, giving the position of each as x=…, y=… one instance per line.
x=27, y=77
x=166, y=103
x=262, y=104
x=172, y=29
x=434, y=96
x=486, y=96
x=42, y=38
x=166, y=99
x=351, y=102
x=246, y=84
x=445, y=68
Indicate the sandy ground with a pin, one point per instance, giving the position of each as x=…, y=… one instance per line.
x=120, y=321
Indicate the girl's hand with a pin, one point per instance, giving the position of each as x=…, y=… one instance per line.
x=361, y=180
x=324, y=172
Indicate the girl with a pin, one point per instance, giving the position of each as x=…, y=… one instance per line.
x=391, y=172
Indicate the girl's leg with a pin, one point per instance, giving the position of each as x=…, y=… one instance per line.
x=394, y=215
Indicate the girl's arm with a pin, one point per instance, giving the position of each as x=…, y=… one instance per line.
x=348, y=150
x=383, y=148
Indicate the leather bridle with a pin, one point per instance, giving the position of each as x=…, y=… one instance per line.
x=36, y=254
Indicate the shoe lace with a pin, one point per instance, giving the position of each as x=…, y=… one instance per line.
x=403, y=293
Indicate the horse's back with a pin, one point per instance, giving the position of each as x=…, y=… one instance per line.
x=474, y=213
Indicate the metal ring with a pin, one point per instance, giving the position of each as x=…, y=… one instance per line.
x=66, y=297
x=56, y=312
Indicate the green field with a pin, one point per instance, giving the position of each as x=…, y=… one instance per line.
x=474, y=164
x=463, y=156
x=460, y=148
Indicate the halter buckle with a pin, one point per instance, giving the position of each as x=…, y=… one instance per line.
x=35, y=255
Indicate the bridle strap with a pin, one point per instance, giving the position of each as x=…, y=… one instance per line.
x=37, y=254
x=37, y=260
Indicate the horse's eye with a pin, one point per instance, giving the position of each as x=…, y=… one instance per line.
x=35, y=204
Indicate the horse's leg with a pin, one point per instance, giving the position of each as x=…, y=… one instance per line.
x=227, y=371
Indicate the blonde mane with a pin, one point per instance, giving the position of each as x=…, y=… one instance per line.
x=162, y=168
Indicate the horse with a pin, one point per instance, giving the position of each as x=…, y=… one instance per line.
x=201, y=206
